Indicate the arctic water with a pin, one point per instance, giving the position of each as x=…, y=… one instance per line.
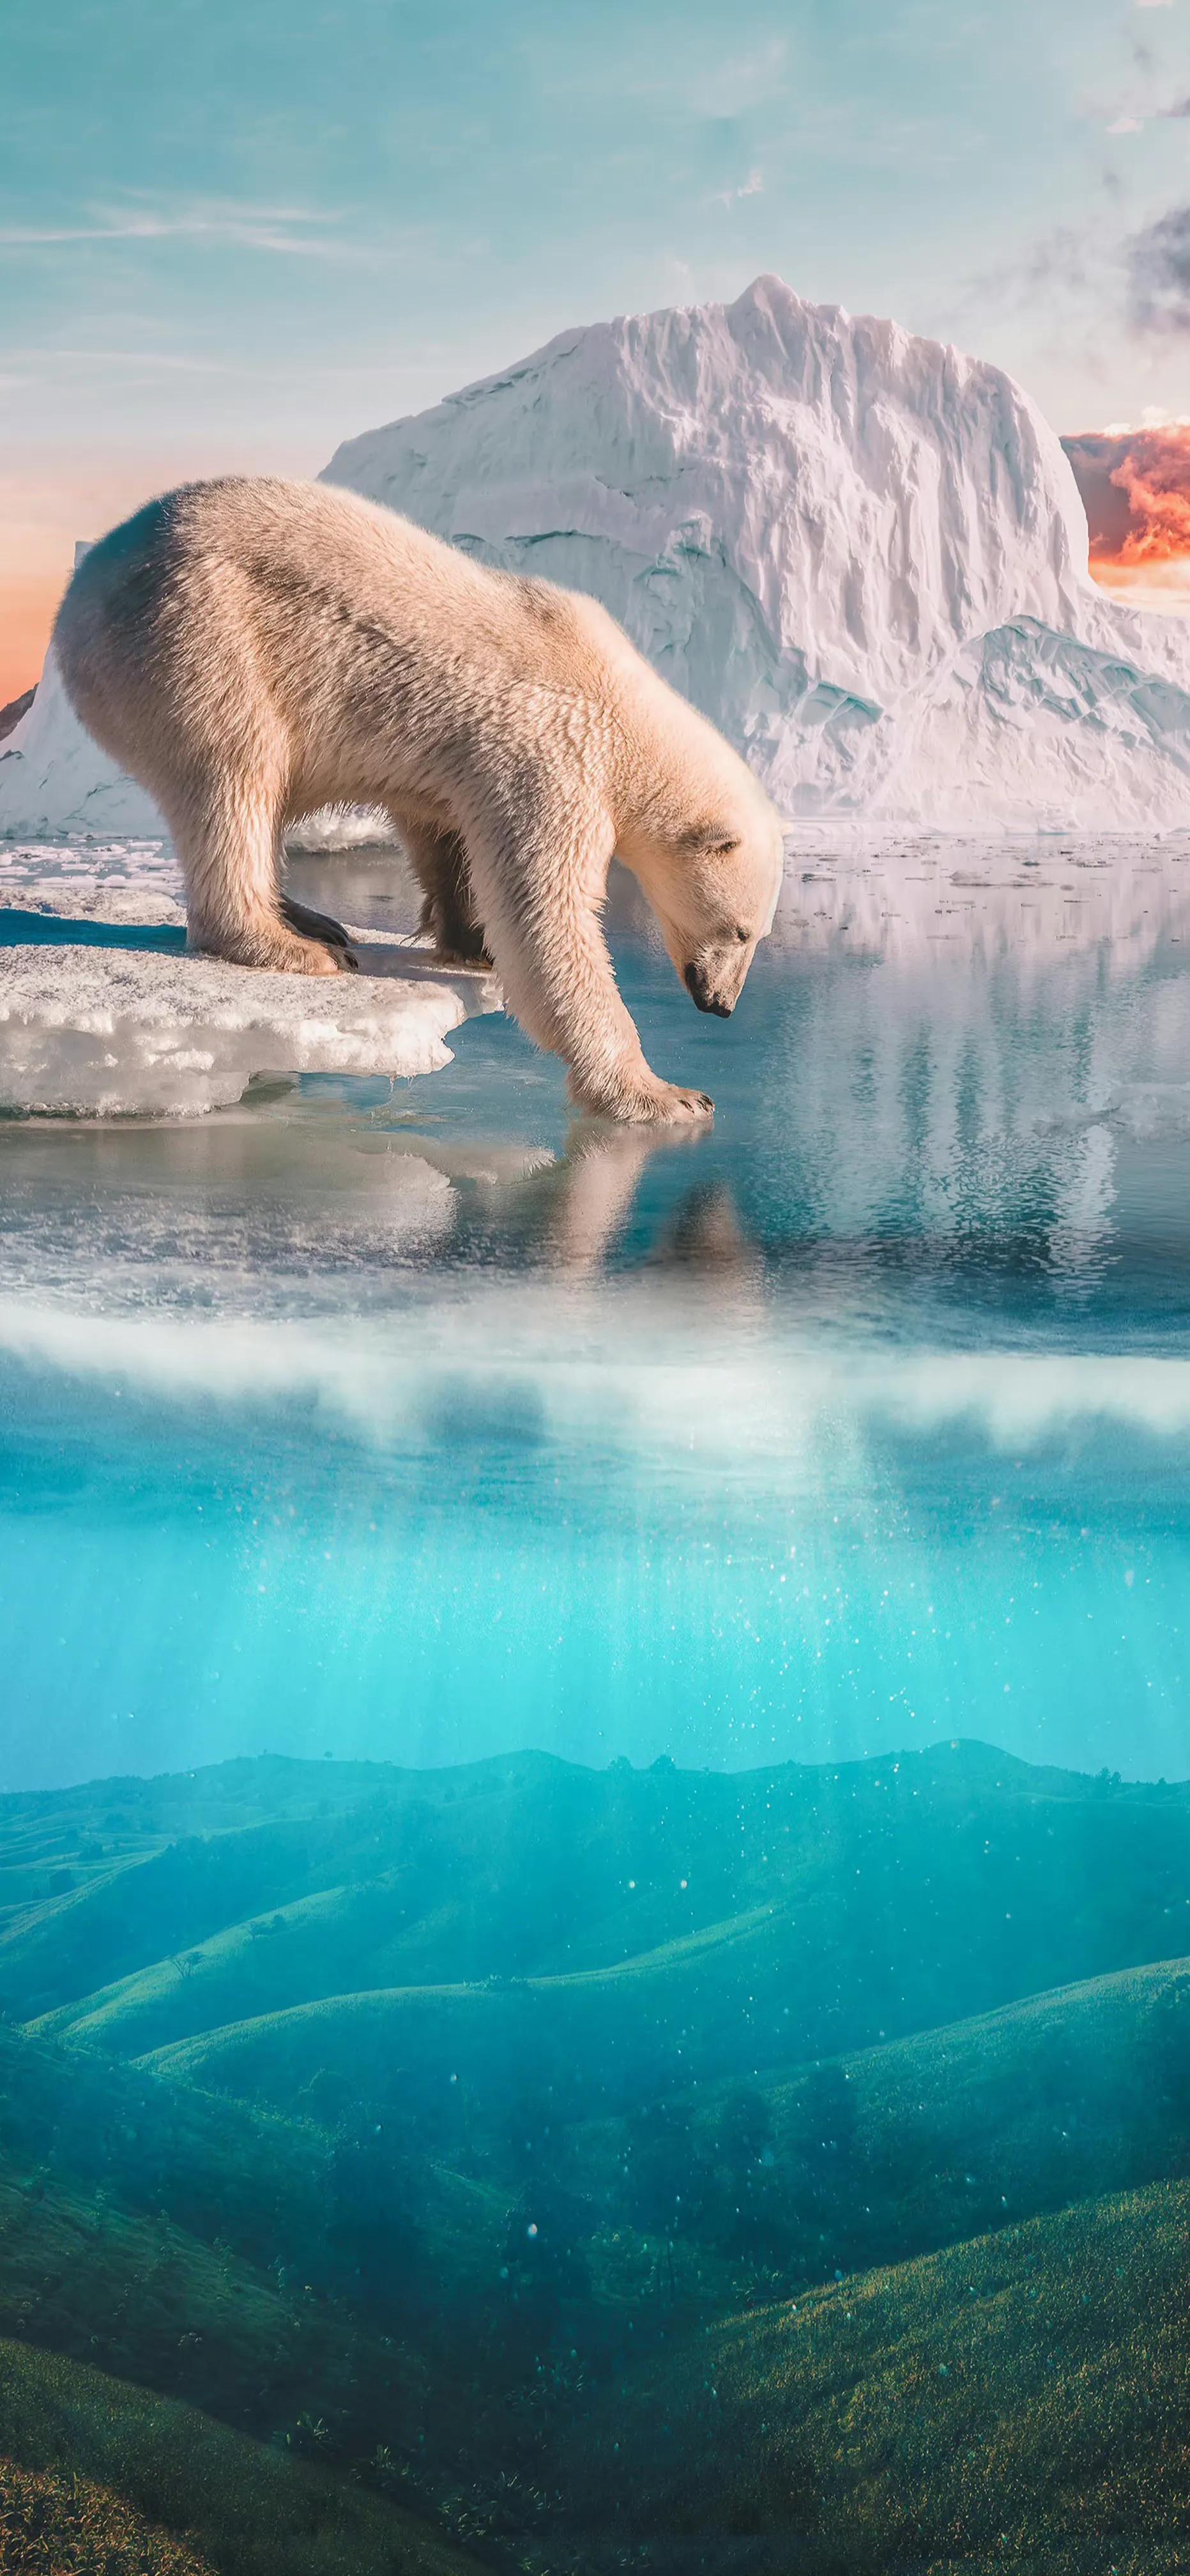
x=415, y=1422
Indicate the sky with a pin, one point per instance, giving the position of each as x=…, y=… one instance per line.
x=233, y=232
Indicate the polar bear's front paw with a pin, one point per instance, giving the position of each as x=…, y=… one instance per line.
x=295, y=956
x=644, y=1101
x=669, y=1105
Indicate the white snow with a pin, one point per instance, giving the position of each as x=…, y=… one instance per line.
x=862, y=553
x=106, y=1031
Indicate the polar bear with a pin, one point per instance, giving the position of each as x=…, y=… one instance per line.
x=251, y=649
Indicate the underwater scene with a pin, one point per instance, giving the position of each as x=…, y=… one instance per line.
x=595, y=1778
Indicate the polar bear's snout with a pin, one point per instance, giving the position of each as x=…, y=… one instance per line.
x=714, y=892
x=706, y=993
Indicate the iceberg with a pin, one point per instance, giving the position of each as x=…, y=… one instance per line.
x=54, y=779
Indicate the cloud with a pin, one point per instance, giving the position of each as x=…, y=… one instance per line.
x=1125, y=125
x=1056, y=269
x=288, y=231
x=1178, y=107
x=1158, y=262
x=1135, y=485
x=752, y=186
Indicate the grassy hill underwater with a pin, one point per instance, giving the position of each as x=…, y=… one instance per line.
x=1022, y=2400
x=452, y=2134
x=113, y=2481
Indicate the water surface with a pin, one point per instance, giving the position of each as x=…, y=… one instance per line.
x=420, y=1421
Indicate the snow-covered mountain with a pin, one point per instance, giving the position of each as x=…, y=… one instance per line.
x=862, y=553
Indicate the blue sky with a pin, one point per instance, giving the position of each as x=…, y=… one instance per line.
x=233, y=232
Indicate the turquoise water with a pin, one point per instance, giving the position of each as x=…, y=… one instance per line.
x=415, y=1422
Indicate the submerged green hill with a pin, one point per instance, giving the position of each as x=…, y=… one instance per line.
x=1021, y=2401
x=744, y=1923
x=442, y=2131
x=923, y=2141
x=141, y=2486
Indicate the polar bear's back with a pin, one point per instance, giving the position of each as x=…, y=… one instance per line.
x=275, y=565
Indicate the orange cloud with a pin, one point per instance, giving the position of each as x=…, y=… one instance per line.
x=1135, y=486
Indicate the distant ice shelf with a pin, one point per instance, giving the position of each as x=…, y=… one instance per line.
x=106, y=1031
x=129, y=881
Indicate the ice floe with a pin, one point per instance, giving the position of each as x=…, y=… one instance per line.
x=132, y=881
x=104, y=1031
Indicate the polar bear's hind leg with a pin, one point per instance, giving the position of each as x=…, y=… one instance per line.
x=439, y=862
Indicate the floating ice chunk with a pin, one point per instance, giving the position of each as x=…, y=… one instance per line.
x=106, y=1031
x=123, y=906
x=128, y=880
x=341, y=827
x=1151, y=1111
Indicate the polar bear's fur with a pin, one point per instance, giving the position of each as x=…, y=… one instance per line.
x=253, y=649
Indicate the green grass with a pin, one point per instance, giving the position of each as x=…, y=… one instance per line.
x=347, y=2325
x=54, y=2523
x=1022, y=2401
x=217, y=2168
x=221, y=2171
x=242, y=2509
x=150, y=2303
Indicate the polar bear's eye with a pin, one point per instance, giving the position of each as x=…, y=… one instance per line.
x=741, y=934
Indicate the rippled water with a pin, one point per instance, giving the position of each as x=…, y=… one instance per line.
x=419, y=1421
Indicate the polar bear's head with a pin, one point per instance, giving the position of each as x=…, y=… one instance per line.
x=713, y=883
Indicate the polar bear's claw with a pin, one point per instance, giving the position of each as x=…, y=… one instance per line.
x=675, y=1104
x=313, y=925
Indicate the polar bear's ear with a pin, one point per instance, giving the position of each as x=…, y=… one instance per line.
x=710, y=841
